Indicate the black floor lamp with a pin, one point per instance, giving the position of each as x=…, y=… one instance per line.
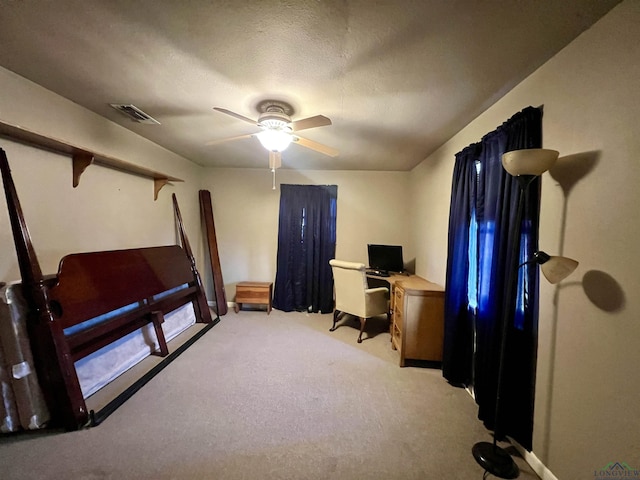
x=525, y=166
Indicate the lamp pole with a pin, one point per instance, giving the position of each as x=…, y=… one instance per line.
x=490, y=456
x=525, y=165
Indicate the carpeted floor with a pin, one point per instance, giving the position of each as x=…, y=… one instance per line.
x=272, y=397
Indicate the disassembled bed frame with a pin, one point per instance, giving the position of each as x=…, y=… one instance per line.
x=151, y=282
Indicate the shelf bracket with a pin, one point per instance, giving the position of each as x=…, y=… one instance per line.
x=158, y=183
x=81, y=160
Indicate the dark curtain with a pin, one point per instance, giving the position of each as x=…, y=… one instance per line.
x=457, y=364
x=306, y=243
x=495, y=204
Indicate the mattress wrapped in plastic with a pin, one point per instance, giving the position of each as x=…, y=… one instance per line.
x=101, y=367
x=9, y=421
x=23, y=403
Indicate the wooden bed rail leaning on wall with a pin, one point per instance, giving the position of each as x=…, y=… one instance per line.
x=150, y=282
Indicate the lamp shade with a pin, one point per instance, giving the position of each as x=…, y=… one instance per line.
x=274, y=140
x=531, y=161
x=554, y=269
x=558, y=268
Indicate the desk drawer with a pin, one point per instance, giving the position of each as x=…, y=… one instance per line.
x=398, y=319
x=253, y=293
x=398, y=300
x=252, y=296
x=396, y=337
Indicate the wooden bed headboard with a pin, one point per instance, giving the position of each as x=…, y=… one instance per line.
x=89, y=285
x=150, y=282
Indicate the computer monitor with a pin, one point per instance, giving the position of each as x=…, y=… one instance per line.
x=387, y=258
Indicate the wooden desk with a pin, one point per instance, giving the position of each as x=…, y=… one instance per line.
x=417, y=316
x=408, y=278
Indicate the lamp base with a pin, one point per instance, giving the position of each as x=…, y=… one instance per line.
x=495, y=460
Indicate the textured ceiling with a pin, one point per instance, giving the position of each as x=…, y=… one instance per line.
x=397, y=78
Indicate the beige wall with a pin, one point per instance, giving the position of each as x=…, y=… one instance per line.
x=587, y=407
x=587, y=391
x=373, y=207
x=109, y=209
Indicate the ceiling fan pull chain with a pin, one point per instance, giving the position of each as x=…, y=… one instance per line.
x=273, y=171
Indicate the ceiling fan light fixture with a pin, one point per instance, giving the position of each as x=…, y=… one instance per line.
x=274, y=124
x=278, y=129
x=275, y=140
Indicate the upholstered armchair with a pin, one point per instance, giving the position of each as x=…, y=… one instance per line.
x=353, y=295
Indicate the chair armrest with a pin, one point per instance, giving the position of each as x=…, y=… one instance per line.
x=373, y=291
x=377, y=301
x=347, y=265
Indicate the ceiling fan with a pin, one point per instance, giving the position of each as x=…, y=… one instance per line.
x=277, y=130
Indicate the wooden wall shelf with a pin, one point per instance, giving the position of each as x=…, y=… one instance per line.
x=82, y=158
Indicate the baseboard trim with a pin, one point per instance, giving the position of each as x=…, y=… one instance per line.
x=534, y=462
x=213, y=304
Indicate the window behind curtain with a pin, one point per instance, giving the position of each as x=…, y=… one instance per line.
x=483, y=205
x=306, y=243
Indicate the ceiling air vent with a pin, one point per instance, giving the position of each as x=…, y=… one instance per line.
x=134, y=113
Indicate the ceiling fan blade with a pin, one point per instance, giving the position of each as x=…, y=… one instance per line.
x=318, y=147
x=229, y=139
x=311, y=122
x=236, y=115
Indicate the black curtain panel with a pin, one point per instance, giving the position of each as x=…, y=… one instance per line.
x=478, y=312
x=457, y=365
x=306, y=243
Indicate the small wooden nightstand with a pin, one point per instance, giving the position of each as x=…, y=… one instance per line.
x=254, y=292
